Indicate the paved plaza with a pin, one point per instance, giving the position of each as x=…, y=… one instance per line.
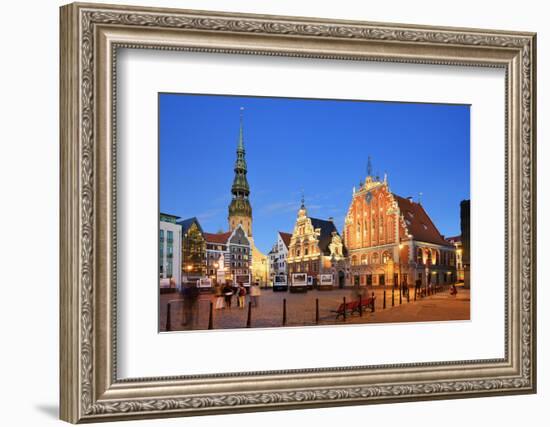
x=301, y=309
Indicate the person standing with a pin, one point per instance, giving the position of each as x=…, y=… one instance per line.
x=255, y=293
x=227, y=294
x=242, y=295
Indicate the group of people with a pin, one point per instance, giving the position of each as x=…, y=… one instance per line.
x=224, y=295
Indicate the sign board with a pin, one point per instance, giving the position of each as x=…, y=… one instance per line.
x=205, y=283
x=299, y=279
x=327, y=280
x=243, y=278
x=280, y=279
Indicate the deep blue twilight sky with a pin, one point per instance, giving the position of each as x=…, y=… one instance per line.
x=320, y=146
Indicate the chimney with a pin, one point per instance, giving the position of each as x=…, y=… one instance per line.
x=410, y=199
x=331, y=219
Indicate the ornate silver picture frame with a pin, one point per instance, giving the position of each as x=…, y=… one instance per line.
x=91, y=390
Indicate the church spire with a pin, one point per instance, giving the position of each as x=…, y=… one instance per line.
x=240, y=184
x=240, y=146
x=240, y=211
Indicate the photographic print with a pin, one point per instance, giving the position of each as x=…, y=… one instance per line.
x=280, y=212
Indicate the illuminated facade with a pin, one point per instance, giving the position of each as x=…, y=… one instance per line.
x=457, y=242
x=316, y=248
x=193, y=250
x=169, y=251
x=228, y=253
x=392, y=240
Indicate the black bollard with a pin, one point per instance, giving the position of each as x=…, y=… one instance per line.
x=384, y=304
x=400, y=295
x=168, y=319
x=360, y=307
x=284, y=312
x=249, y=317
x=372, y=300
x=317, y=310
x=408, y=292
x=211, y=316
x=344, y=317
x=415, y=290
x=392, y=297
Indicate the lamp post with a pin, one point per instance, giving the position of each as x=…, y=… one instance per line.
x=189, y=268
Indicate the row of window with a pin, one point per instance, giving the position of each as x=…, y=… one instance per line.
x=303, y=267
x=304, y=250
x=169, y=269
x=239, y=249
x=169, y=236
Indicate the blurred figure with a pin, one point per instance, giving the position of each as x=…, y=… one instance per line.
x=242, y=295
x=219, y=297
x=190, y=303
x=453, y=291
x=227, y=294
x=358, y=292
x=255, y=293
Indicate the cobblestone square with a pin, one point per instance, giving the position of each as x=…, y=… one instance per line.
x=301, y=309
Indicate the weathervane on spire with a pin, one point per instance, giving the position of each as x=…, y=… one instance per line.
x=303, y=199
x=369, y=167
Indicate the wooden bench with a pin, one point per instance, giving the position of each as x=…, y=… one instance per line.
x=366, y=303
x=354, y=307
x=346, y=309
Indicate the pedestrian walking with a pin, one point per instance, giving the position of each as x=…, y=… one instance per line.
x=190, y=302
x=219, y=298
x=242, y=295
x=227, y=294
x=255, y=293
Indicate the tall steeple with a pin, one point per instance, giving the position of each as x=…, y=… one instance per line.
x=240, y=211
x=302, y=211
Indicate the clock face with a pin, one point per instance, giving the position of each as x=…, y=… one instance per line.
x=368, y=197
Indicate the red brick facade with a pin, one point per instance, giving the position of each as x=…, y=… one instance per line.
x=392, y=240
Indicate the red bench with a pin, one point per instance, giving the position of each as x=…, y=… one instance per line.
x=354, y=307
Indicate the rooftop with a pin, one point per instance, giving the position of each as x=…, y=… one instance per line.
x=418, y=222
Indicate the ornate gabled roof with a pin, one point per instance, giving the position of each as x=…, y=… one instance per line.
x=186, y=223
x=418, y=222
x=325, y=237
x=220, y=238
x=286, y=238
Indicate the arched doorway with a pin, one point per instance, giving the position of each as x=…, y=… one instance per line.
x=341, y=279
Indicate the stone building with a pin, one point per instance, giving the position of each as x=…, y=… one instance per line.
x=457, y=242
x=278, y=255
x=217, y=255
x=316, y=248
x=392, y=239
x=228, y=255
x=169, y=251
